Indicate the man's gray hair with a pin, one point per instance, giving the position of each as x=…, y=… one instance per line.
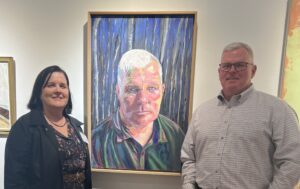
x=237, y=45
x=136, y=58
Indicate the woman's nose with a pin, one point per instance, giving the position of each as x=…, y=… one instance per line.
x=58, y=88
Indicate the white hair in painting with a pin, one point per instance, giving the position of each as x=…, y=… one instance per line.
x=136, y=58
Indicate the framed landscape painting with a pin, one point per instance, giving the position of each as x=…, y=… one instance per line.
x=7, y=94
x=139, y=82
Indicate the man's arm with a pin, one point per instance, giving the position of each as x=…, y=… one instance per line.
x=188, y=159
x=286, y=139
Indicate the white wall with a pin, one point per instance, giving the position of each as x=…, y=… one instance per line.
x=39, y=33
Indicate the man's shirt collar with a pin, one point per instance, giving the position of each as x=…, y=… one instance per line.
x=236, y=99
x=158, y=134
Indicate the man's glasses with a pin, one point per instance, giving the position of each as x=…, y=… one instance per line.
x=238, y=66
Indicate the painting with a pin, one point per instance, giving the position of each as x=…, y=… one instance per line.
x=139, y=83
x=290, y=68
x=7, y=94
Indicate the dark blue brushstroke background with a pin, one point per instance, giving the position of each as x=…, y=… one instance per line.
x=168, y=37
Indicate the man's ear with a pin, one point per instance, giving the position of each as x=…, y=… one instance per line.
x=253, y=70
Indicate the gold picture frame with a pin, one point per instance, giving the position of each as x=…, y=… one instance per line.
x=116, y=24
x=7, y=94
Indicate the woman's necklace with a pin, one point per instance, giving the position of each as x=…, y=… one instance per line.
x=54, y=124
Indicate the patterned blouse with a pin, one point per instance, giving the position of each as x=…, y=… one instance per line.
x=74, y=154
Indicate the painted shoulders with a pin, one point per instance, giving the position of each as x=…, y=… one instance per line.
x=103, y=127
x=168, y=125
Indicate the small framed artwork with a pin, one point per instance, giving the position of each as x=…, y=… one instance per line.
x=7, y=94
x=139, y=74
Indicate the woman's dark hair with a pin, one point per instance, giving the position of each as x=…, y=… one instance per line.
x=42, y=79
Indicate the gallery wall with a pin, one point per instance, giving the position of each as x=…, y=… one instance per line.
x=39, y=33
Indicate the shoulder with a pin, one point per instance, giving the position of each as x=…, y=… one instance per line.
x=75, y=121
x=167, y=124
x=274, y=105
x=207, y=105
x=24, y=118
x=103, y=127
x=103, y=134
x=27, y=120
x=24, y=126
x=270, y=100
x=166, y=121
x=171, y=130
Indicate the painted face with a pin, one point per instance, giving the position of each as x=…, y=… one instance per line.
x=55, y=94
x=140, y=96
x=234, y=82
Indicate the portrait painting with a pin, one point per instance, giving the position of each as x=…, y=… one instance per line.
x=139, y=74
x=7, y=94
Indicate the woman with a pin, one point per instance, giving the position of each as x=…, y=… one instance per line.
x=46, y=148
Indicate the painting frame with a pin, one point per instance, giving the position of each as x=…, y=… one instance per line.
x=7, y=89
x=291, y=55
x=89, y=73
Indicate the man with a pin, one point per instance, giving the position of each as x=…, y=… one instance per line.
x=137, y=136
x=243, y=138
